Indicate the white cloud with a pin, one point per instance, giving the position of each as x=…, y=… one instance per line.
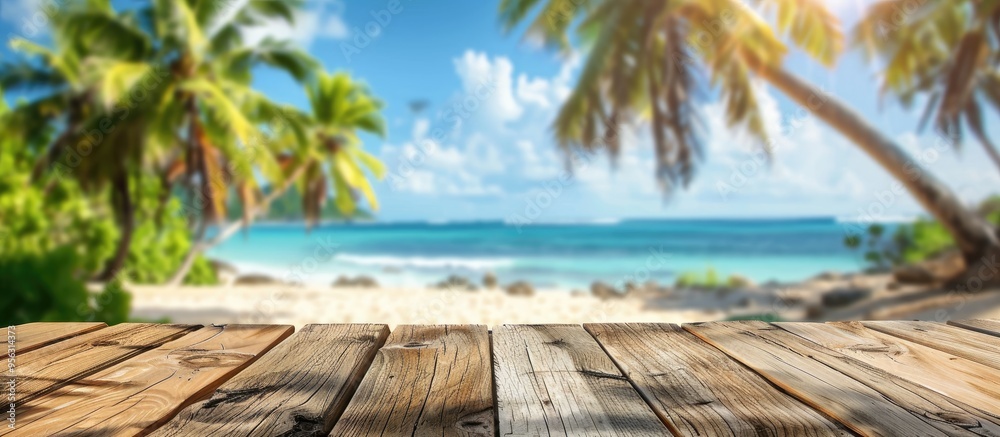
x=504, y=151
x=29, y=19
x=488, y=83
x=324, y=21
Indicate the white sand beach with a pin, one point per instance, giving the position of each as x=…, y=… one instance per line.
x=300, y=305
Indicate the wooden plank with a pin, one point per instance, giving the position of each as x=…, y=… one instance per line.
x=48, y=368
x=956, y=377
x=866, y=399
x=974, y=346
x=426, y=380
x=139, y=395
x=31, y=336
x=298, y=388
x=700, y=390
x=985, y=326
x=556, y=380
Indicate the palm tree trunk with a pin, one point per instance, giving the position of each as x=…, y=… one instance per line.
x=200, y=245
x=972, y=234
x=122, y=199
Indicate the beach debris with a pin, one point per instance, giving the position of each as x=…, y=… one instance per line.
x=361, y=281
x=814, y=312
x=737, y=281
x=456, y=282
x=520, y=288
x=939, y=268
x=913, y=274
x=601, y=290
x=842, y=297
x=828, y=276
x=490, y=280
x=255, y=279
x=221, y=267
x=225, y=273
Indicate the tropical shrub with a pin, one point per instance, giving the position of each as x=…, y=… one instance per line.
x=162, y=239
x=708, y=280
x=912, y=242
x=53, y=238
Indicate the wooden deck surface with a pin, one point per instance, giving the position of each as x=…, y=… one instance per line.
x=706, y=379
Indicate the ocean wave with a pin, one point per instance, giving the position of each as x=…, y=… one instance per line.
x=889, y=219
x=569, y=222
x=423, y=262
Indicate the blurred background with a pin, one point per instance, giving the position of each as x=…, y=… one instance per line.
x=511, y=161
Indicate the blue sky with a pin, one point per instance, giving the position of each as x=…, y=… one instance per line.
x=498, y=161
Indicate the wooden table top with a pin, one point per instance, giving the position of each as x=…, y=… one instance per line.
x=706, y=379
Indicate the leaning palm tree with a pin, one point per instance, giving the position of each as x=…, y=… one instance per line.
x=645, y=57
x=947, y=52
x=317, y=151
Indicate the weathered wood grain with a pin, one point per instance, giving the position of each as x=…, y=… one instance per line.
x=956, y=377
x=556, y=380
x=298, y=388
x=31, y=336
x=48, y=368
x=866, y=399
x=974, y=346
x=700, y=390
x=985, y=326
x=139, y=395
x=426, y=380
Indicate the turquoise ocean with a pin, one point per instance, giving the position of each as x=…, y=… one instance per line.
x=565, y=255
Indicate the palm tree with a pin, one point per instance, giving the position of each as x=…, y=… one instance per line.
x=82, y=70
x=205, y=120
x=945, y=51
x=644, y=60
x=316, y=151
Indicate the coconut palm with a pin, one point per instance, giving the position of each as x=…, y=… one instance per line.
x=202, y=126
x=947, y=52
x=644, y=61
x=319, y=152
x=82, y=69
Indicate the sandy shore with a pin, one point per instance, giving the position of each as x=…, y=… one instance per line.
x=300, y=305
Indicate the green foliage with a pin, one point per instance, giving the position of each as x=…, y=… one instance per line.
x=913, y=242
x=37, y=220
x=288, y=207
x=644, y=64
x=160, y=243
x=769, y=318
x=46, y=288
x=922, y=239
x=51, y=241
x=877, y=251
x=709, y=280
